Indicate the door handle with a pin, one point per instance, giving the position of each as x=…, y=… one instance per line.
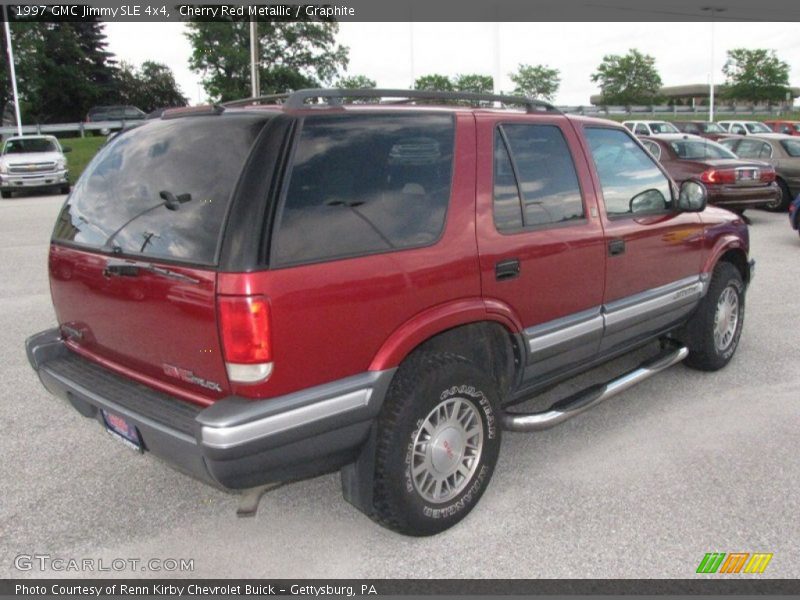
x=507, y=269
x=616, y=247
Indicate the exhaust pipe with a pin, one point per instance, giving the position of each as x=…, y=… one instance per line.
x=585, y=399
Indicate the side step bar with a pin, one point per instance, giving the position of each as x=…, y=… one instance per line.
x=591, y=396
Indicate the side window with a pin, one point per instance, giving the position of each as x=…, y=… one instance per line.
x=362, y=184
x=641, y=129
x=653, y=148
x=766, y=151
x=631, y=181
x=738, y=130
x=730, y=144
x=542, y=178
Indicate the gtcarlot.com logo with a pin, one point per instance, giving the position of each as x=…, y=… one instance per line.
x=734, y=562
x=46, y=562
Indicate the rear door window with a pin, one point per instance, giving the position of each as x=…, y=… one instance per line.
x=540, y=173
x=161, y=190
x=753, y=149
x=362, y=184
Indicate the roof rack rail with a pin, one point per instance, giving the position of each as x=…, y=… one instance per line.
x=335, y=96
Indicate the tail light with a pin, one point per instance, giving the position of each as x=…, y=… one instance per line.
x=767, y=174
x=718, y=176
x=246, y=340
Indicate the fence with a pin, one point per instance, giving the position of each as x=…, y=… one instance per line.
x=593, y=111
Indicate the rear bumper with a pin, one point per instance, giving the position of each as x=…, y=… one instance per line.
x=235, y=443
x=740, y=198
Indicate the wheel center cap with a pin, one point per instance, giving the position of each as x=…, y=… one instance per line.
x=446, y=450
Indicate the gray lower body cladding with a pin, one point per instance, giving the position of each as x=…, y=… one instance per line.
x=235, y=443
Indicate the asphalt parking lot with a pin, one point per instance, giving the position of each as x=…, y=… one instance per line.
x=641, y=486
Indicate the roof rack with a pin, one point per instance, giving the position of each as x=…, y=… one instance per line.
x=335, y=97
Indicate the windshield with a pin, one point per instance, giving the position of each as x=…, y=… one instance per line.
x=712, y=128
x=162, y=189
x=796, y=126
x=663, y=127
x=694, y=150
x=792, y=147
x=757, y=128
x=22, y=146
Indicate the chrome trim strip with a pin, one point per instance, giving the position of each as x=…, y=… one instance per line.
x=679, y=293
x=223, y=438
x=564, y=330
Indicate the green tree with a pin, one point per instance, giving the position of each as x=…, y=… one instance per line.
x=474, y=82
x=150, y=87
x=28, y=44
x=536, y=81
x=756, y=75
x=434, y=82
x=356, y=82
x=628, y=79
x=293, y=55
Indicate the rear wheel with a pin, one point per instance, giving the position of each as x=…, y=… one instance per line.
x=438, y=443
x=64, y=189
x=782, y=203
x=715, y=329
x=5, y=194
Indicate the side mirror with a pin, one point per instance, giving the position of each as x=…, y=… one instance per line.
x=66, y=149
x=693, y=196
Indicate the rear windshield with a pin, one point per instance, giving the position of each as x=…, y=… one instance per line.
x=694, y=150
x=161, y=190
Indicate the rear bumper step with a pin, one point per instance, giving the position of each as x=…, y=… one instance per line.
x=585, y=399
x=236, y=442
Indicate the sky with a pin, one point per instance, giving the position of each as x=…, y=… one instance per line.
x=393, y=54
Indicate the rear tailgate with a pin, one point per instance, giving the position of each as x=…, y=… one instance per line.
x=132, y=265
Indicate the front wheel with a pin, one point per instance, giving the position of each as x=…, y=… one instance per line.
x=782, y=203
x=437, y=446
x=716, y=327
x=5, y=194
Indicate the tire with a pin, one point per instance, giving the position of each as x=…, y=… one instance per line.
x=64, y=189
x=782, y=204
x=414, y=495
x=5, y=194
x=712, y=347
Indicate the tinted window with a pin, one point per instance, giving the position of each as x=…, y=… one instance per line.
x=362, y=184
x=792, y=147
x=507, y=203
x=753, y=149
x=548, y=183
x=757, y=128
x=121, y=201
x=695, y=149
x=627, y=173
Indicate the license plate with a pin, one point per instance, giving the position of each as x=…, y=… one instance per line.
x=122, y=430
x=748, y=174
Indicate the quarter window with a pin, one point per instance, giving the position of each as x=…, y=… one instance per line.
x=535, y=179
x=631, y=181
x=362, y=184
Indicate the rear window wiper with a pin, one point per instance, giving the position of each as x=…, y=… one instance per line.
x=129, y=268
x=170, y=202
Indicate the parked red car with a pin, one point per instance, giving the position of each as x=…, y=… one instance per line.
x=787, y=127
x=373, y=287
x=733, y=183
x=705, y=129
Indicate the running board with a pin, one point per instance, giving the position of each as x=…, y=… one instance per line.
x=591, y=396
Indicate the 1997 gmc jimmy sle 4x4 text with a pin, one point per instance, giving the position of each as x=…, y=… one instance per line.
x=286, y=286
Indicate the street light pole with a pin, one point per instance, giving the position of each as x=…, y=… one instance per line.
x=12, y=69
x=255, y=84
x=713, y=10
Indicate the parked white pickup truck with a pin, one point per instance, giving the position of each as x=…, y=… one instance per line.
x=33, y=162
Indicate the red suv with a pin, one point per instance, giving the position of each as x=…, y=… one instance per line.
x=287, y=286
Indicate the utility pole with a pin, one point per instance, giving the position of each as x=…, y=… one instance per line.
x=12, y=69
x=255, y=84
